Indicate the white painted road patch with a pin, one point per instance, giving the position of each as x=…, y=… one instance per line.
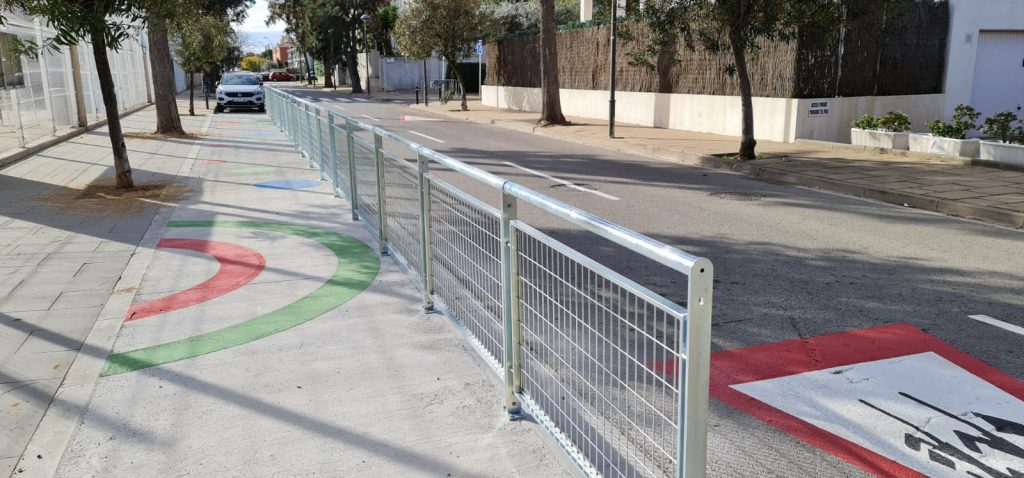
x=417, y=133
x=998, y=323
x=920, y=410
x=563, y=182
x=891, y=400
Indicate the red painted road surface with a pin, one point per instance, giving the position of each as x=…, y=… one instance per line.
x=238, y=266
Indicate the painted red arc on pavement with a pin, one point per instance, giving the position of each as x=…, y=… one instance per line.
x=238, y=266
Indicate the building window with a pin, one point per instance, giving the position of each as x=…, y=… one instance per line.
x=11, y=69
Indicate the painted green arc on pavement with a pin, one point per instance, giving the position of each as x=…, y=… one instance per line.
x=358, y=265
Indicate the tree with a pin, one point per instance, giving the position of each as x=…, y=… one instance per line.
x=249, y=62
x=449, y=27
x=107, y=24
x=551, y=103
x=202, y=42
x=737, y=27
x=159, y=13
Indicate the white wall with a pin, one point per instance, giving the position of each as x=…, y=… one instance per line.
x=967, y=18
x=775, y=119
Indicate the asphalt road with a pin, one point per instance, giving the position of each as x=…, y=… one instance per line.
x=790, y=262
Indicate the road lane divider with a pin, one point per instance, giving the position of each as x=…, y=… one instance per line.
x=563, y=182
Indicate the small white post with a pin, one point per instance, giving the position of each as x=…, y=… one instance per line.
x=586, y=10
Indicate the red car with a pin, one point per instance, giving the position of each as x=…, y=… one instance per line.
x=281, y=76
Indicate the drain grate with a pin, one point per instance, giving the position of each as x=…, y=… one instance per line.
x=737, y=196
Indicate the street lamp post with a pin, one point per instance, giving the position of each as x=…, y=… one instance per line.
x=366, y=51
x=611, y=74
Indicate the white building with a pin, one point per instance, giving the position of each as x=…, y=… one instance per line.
x=984, y=67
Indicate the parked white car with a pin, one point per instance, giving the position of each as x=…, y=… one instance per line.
x=240, y=90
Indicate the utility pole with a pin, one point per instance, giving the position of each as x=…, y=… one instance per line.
x=426, y=85
x=366, y=51
x=611, y=74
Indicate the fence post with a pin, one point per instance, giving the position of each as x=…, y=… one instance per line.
x=44, y=75
x=693, y=395
x=382, y=209
x=427, y=249
x=509, y=280
x=306, y=138
x=320, y=142
x=335, y=183
x=16, y=103
x=352, y=183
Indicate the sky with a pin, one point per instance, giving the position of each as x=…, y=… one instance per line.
x=255, y=33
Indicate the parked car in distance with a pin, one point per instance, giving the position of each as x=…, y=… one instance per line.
x=240, y=90
x=281, y=76
x=265, y=75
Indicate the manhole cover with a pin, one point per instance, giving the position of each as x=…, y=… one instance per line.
x=737, y=196
x=574, y=186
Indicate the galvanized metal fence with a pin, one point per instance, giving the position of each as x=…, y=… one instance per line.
x=37, y=94
x=616, y=372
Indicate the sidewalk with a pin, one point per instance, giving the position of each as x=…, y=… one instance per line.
x=945, y=185
x=265, y=337
x=62, y=250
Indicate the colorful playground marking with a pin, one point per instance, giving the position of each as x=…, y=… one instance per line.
x=357, y=267
x=289, y=184
x=238, y=266
x=891, y=400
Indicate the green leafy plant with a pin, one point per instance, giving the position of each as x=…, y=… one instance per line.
x=447, y=96
x=1000, y=126
x=964, y=119
x=894, y=122
x=866, y=122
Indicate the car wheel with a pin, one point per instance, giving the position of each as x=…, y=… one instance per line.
x=218, y=109
x=262, y=109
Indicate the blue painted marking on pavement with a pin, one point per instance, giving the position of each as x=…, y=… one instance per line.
x=289, y=184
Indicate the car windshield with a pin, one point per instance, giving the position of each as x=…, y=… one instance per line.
x=240, y=80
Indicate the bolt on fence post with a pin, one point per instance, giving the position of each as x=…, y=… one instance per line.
x=382, y=209
x=693, y=394
x=509, y=278
x=354, y=200
x=16, y=103
x=333, y=177
x=427, y=248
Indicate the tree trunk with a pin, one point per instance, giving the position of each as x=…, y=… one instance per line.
x=352, y=64
x=167, y=119
x=551, y=108
x=122, y=168
x=747, y=142
x=328, y=74
x=191, y=94
x=462, y=85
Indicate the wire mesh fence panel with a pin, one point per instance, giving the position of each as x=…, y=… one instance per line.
x=403, y=211
x=324, y=137
x=366, y=182
x=599, y=355
x=466, y=262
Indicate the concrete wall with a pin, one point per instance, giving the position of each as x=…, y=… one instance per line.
x=775, y=119
x=967, y=18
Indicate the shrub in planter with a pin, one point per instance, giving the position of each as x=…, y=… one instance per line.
x=1010, y=147
x=950, y=138
x=888, y=131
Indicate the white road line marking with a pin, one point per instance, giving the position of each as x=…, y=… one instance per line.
x=370, y=117
x=425, y=136
x=361, y=100
x=998, y=323
x=342, y=100
x=563, y=182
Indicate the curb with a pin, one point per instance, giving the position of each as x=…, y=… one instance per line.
x=72, y=397
x=40, y=145
x=953, y=208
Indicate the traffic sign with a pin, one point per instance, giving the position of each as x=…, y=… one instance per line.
x=479, y=47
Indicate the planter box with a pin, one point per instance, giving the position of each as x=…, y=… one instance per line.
x=927, y=143
x=879, y=139
x=1003, y=153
